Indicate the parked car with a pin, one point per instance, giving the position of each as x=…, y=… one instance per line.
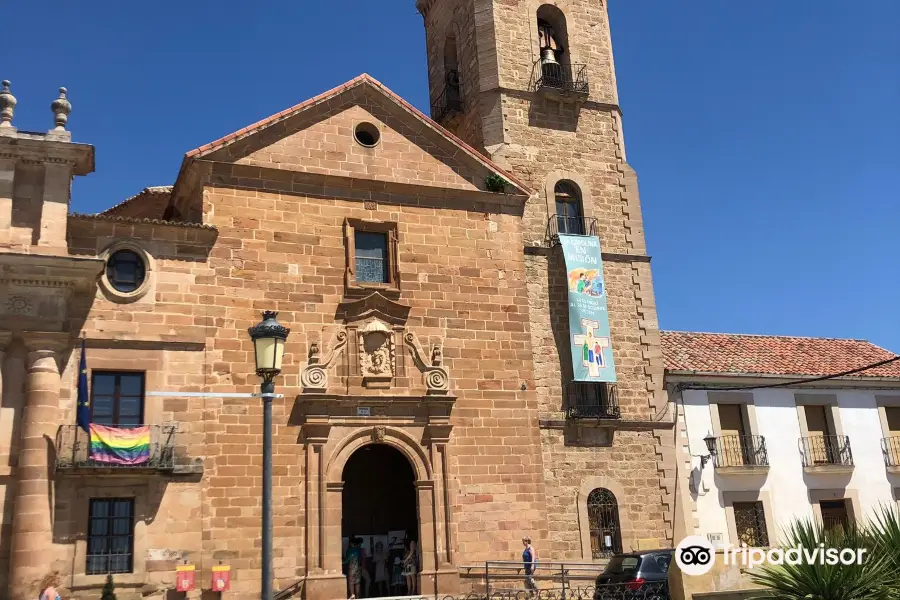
x=635, y=576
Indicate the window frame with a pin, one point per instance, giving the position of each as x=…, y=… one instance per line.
x=117, y=394
x=351, y=226
x=572, y=197
x=110, y=266
x=762, y=530
x=730, y=498
x=614, y=528
x=109, y=536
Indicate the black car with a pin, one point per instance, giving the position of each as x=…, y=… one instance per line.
x=635, y=576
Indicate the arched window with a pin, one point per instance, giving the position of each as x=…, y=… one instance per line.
x=569, y=213
x=451, y=71
x=603, y=518
x=553, y=41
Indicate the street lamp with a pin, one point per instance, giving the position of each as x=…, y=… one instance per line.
x=268, y=338
x=710, y=442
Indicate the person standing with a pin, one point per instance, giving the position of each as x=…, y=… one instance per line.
x=48, y=587
x=410, y=564
x=354, y=561
x=379, y=557
x=529, y=559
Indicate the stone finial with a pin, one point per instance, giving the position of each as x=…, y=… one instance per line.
x=7, y=105
x=61, y=108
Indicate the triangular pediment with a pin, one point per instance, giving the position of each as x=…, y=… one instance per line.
x=375, y=305
x=318, y=136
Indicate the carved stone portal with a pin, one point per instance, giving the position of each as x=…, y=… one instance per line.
x=377, y=361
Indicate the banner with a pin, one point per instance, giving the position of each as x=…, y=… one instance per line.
x=221, y=578
x=592, y=355
x=184, y=578
x=115, y=446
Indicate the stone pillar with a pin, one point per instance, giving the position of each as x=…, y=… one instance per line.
x=31, y=555
x=6, y=416
x=447, y=576
x=7, y=185
x=55, y=206
x=427, y=553
x=324, y=579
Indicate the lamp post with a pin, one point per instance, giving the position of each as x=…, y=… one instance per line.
x=268, y=338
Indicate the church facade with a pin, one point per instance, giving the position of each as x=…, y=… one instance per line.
x=429, y=368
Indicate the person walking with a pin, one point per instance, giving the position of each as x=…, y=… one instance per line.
x=529, y=559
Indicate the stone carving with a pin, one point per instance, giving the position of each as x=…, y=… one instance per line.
x=377, y=360
x=437, y=378
x=18, y=305
x=378, y=434
x=314, y=377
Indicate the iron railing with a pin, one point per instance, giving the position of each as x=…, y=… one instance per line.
x=741, y=451
x=823, y=450
x=449, y=102
x=73, y=450
x=564, y=78
x=592, y=401
x=556, y=581
x=890, y=446
x=558, y=224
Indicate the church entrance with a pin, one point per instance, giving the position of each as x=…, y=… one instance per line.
x=379, y=523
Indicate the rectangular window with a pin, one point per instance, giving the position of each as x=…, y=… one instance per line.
x=110, y=542
x=750, y=522
x=117, y=398
x=892, y=413
x=372, y=250
x=371, y=257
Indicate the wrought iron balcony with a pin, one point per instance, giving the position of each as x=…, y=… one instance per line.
x=890, y=447
x=567, y=79
x=73, y=451
x=558, y=224
x=826, y=451
x=449, y=102
x=592, y=401
x=738, y=451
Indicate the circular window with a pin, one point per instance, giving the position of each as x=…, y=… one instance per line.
x=125, y=271
x=367, y=134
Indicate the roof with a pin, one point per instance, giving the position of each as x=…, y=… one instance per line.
x=364, y=79
x=139, y=221
x=742, y=354
x=148, y=193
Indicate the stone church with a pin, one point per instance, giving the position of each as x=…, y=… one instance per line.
x=427, y=385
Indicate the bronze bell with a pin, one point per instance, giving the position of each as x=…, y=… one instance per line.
x=548, y=56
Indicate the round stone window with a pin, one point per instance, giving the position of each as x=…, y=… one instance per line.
x=367, y=135
x=126, y=271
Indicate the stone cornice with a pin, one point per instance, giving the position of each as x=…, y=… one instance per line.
x=610, y=424
x=606, y=256
x=48, y=271
x=353, y=188
x=42, y=150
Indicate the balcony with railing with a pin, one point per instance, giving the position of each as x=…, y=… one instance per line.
x=890, y=447
x=826, y=453
x=74, y=452
x=566, y=80
x=562, y=225
x=592, y=401
x=449, y=102
x=741, y=455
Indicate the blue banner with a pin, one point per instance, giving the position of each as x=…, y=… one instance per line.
x=592, y=355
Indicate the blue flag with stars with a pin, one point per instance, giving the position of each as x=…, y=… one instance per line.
x=84, y=406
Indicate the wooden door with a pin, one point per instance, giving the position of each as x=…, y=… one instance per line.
x=733, y=443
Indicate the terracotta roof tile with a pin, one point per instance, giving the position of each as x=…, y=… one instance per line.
x=772, y=355
x=140, y=221
x=154, y=191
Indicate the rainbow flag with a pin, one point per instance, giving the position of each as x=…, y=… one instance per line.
x=117, y=446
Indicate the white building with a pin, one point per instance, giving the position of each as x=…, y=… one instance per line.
x=828, y=449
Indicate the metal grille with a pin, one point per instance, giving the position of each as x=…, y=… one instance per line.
x=592, y=401
x=73, y=450
x=741, y=451
x=110, y=543
x=603, y=517
x=890, y=446
x=750, y=522
x=562, y=77
x=826, y=450
x=569, y=225
x=449, y=102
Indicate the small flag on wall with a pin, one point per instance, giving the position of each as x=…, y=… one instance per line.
x=117, y=446
x=83, y=414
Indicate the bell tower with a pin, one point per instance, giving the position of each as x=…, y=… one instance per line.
x=532, y=84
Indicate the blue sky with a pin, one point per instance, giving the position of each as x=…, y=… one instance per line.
x=765, y=134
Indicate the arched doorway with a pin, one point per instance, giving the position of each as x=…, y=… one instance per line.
x=379, y=507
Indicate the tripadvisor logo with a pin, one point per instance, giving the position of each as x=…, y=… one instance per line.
x=694, y=555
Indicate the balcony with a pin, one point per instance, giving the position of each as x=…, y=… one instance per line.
x=741, y=455
x=564, y=80
x=73, y=452
x=558, y=225
x=449, y=103
x=595, y=401
x=890, y=447
x=827, y=454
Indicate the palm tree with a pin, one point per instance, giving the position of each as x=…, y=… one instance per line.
x=875, y=579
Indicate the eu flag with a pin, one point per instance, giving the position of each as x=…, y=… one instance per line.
x=84, y=406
